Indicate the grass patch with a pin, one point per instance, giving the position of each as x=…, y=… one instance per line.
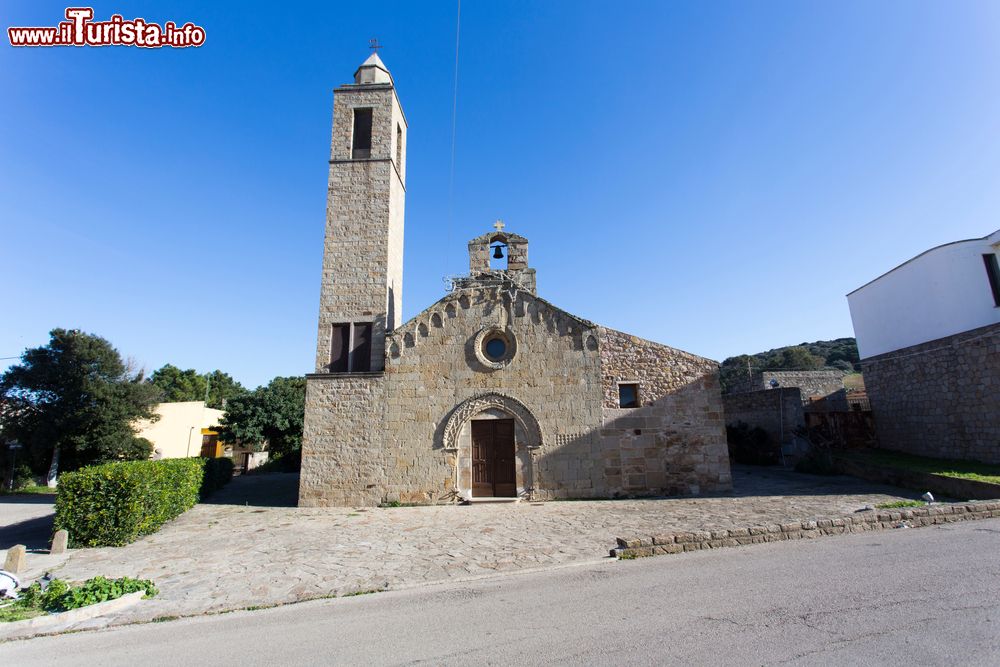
x=980, y=472
x=897, y=504
x=35, y=489
x=14, y=612
x=356, y=593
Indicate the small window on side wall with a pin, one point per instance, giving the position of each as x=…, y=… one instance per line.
x=399, y=147
x=993, y=275
x=628, y=395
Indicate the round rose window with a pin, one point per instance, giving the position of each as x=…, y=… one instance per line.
x=494, y=347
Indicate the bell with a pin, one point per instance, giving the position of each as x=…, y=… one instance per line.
x=498, y=252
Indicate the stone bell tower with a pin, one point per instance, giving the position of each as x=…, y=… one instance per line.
x=343, y=434
x=362, y=289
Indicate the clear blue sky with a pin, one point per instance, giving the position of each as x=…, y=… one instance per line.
x=714, y=176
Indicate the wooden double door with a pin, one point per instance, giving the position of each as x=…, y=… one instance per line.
x=493, y=472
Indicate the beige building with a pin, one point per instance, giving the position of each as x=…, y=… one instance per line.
x=491, y=391
x=182, y=429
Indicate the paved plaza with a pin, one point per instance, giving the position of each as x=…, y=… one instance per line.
x=242, y=551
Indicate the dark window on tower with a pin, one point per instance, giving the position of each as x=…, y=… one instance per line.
x=361, y=144
x=993, y=273
x=361, y=351
x=351, y=348
x=399, y=147
x=338, y=348
x=628, y=395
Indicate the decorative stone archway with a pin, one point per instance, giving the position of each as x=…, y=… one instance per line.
x=458, y=439
x=469, y=408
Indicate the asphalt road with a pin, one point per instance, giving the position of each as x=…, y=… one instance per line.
x=926, y=596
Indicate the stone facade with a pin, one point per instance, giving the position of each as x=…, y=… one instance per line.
x=671, y=443
x=940, y=398
x=403, y=431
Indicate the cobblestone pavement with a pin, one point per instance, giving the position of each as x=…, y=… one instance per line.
x=219, y=557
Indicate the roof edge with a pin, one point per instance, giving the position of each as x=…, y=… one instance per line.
x=925, y=252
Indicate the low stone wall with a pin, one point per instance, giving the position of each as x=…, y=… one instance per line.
x=812, y=384
x=939, y=398
x=777, y=411
x=672, y=543
x=951, y=487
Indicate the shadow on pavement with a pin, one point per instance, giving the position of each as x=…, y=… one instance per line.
x=263, y=490
x=751, y=480
x=26, y=520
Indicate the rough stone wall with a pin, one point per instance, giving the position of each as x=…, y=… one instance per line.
x=343, y=441
x=432, y=368
x=940, y=398
x=813, y=384
x=777, y=411
x=363, y=246
x=675, y=441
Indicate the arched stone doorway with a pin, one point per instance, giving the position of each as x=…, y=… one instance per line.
x=481, y=422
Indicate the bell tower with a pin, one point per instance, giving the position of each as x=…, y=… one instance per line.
x=362, y=289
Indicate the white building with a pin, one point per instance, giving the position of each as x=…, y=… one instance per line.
x=928, y=333
x=941, y=292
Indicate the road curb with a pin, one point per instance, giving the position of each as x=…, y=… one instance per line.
x=67, y=620
x=678, y=542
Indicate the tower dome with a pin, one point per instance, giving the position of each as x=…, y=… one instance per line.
x=372, y=70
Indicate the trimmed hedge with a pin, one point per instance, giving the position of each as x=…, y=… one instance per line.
x=218, y=473
x=116, y=503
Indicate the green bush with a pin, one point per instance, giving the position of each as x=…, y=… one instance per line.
x=60, y=596
x=100, y=589
x=218, y=473
x=116, y=503
x=23, y=477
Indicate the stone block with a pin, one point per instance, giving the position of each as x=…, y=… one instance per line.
x=60, y=542
x=17, y=559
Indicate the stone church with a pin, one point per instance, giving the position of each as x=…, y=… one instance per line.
x=492, y=391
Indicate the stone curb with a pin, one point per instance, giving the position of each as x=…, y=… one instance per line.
x=45, y=625
x=672, y=543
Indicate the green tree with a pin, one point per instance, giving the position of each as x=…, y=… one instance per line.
x=221, y=388
x=798, y=358
x=735, y=373
x=75, y=402
x=189, y=385
x=178, y=385
x=270, y=415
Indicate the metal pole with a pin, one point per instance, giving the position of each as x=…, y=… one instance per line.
x=13, y=457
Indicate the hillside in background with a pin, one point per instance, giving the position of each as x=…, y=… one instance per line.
x=840, y=354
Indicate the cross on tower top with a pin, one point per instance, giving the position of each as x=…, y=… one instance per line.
x=374, y=45
x=499, y=225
